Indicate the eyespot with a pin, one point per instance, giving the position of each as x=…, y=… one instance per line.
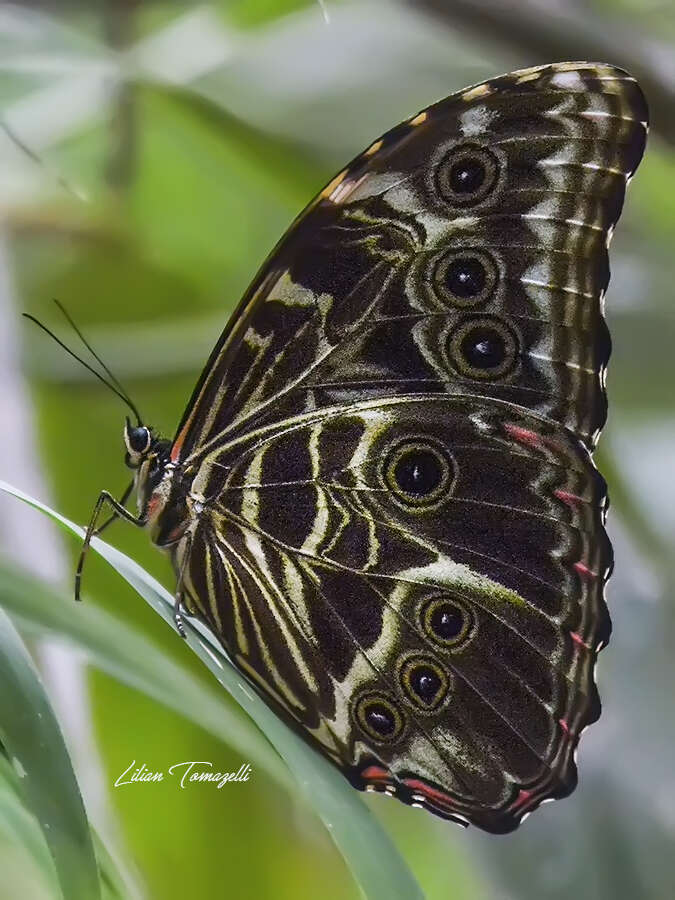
x=419, y=472
x=465, y=278
x=483, y=347
x=423, y=682
x=467, y=174
x=447, y=621
x=379, y=717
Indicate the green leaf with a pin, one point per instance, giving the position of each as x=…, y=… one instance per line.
x=129, y=657
x=19, y=827
x=32, y=738
x=368, y=851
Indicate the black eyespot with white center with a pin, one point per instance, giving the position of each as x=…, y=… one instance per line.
x=423, y=681
x=484, y=348
x=465, y=278
x=467, y=175
x=419, y=472
x=447, y=621
x=379, y=717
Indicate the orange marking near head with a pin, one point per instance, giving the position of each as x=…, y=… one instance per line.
x=178, y=443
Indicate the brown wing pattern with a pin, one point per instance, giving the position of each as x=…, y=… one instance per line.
x=329, y=584
x=400, y=535
x=371, y=260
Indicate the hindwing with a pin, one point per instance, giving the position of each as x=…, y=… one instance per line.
x=334, y=587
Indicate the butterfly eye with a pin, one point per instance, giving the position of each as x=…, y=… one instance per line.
x=467, y=174
x=483, y=348
x=447, y=622
x=419, y=473
x=424, y=682
x=379, y=718
x=137, y=439
x=465, y=279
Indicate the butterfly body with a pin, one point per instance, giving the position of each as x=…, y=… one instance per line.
x=381, y=496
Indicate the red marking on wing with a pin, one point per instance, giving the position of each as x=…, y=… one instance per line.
x=375, y=773
x=524, y=435
x=427, y=791
x=521, y=799
x=579, y=640
x=563, y=724
x=572, y=500
x=584, y=571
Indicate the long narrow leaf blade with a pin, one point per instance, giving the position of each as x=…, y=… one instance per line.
x=128, y=656
x=370, y=854
x=32, y=738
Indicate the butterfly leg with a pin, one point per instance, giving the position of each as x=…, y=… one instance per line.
x=122, y=501
x=119, y=512
x=178, y=596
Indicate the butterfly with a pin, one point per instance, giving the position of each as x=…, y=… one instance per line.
x=381, y=496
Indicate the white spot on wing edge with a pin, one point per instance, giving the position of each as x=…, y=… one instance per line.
x=568, y=78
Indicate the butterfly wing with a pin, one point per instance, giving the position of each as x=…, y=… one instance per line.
x=374, y=287
x=401, y=540
x=438, y=644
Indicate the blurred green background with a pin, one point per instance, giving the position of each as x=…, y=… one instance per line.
x=175, y=142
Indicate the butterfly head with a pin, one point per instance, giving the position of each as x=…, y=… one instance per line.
x=147, y=454
x=138, y=439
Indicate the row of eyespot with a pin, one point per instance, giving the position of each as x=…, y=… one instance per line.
x=465, y=176
x=483, y=347
x=424, y=683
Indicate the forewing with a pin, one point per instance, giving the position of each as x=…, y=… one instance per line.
x=384, y=283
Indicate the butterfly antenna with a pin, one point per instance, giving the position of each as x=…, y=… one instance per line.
x=113, y=386
x=120, y=387
x=39, y=161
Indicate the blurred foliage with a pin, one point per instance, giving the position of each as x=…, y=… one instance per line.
x=239, y=112
x=31, y=731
